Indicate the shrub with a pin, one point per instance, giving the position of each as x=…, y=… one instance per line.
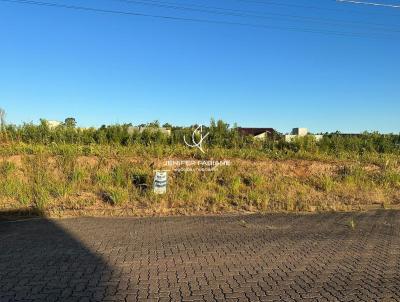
x=115, y=195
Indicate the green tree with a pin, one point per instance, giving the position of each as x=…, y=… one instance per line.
x=70, y=122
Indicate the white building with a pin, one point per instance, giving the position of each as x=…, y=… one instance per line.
x=300, y=132
x=133, y=129
x=53, y=124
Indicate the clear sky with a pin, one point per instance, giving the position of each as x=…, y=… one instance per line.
x=104, y=68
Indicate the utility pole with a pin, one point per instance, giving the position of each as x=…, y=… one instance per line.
x=2, y=119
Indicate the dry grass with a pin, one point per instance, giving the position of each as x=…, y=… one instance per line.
x=120, y=184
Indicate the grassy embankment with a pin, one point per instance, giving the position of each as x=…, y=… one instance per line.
x=105, y=180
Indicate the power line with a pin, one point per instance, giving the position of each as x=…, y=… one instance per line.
x=247, y=13
x=370, y=3
x=165, y=17
x=272, y=3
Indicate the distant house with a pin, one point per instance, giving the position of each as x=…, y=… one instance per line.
x=133, y=129
x=258, y=133
x=300, y=132
x=53, y=124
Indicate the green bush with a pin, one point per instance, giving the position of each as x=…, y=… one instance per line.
x=68, y=138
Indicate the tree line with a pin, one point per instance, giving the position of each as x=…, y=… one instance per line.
x=221, y=134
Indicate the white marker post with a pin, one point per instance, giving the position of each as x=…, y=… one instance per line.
x=160, y=182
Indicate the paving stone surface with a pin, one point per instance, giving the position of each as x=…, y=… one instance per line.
x=277, y=257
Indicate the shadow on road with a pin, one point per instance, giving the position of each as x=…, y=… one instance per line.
x=40, y=261
x=256, y=257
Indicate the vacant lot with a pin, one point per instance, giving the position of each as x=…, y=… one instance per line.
x=276, y=257
x=66, y=182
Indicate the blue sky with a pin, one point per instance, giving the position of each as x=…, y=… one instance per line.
x=107, y=68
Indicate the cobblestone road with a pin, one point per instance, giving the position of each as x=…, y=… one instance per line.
x=277, y=257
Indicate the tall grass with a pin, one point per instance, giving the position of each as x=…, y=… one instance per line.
x=70, y=168
x=222, y=137
x=47, y=181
